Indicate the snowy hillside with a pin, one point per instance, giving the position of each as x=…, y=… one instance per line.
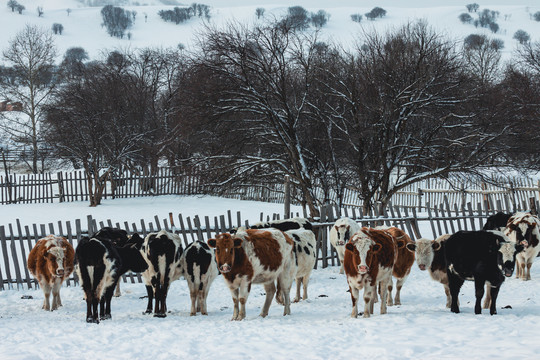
x=82, y=26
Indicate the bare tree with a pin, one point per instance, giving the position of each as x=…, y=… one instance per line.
x=32, y=54
x=482, y=58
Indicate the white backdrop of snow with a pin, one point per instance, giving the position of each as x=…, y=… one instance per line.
x=319, y=328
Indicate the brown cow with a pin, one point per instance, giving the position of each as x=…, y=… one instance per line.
x=403, y=264
x=255, y=257
x=51, y=262
x=368, y=261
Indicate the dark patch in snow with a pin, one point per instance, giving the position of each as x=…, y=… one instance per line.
x=507, y=307
x=143, y=297
x=322, y=295
x=26, y=297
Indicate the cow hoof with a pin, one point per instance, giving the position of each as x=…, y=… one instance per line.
x=105, y=317
x=204, y=313
x=92, y=320
x=160, y=315
x=192, y=314
x=147, y=312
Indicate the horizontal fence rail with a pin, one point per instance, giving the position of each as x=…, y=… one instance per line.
x=16, y=240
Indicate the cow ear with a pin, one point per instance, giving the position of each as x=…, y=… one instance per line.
x=436, y=245
x=401, y=244
x=212, y=243
x=411, y=247
x=237, y=243
x=349, y=246
x=376, y=248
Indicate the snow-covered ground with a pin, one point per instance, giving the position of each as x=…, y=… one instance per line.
x=319, y=328
x=83, y=25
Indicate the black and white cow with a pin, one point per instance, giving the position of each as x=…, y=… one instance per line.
x=497, y=221
x=524, y=228
x=99, y=265
x=483, y=256
x=200, y=269
x=162, y=252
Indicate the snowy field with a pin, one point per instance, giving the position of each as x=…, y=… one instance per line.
x=319, y=328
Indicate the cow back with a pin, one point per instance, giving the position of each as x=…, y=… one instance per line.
x=405, y=258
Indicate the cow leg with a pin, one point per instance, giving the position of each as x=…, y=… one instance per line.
x=390, y=287
x=487, y=300
x=448, y=296
x=107, y=297
x=384, y=294
x=399, y=285
x=47, y=293
x=529, y=264
x=56, y=303
x=235, y=294
x=341, y=255
x=94, y=319
x=117, y=291
x=494, y=294
x=454, y=283
x=102, y=307
x=305, y=282
x=298, y=287
x=243, y=294
x=150, y=293
x=279, y=294
x=202, y=301
x=479, y=292
x=193, y=293
x=354, y=298
x=369, y=292
x=520, y=269
x=270, y=289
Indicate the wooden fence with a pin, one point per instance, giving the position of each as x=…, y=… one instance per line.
x=17, y=239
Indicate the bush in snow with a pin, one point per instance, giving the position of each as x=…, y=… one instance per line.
x=297, y=18
x=259, y=12
x=116, y=20
x=465, y=18
x=536, y=16
x=472, y=7
x=376, y=12
x=57, y=28
x=13, y=5
x=356, y=17
x=320, y=18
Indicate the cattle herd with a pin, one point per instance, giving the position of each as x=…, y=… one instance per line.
x=278, y=253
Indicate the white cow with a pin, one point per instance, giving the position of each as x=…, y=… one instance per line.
x=340, y=233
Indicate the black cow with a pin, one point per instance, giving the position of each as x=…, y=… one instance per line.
x=285, y=224
x=99, y=265
x=497, y=221
x=200, y=269
x=162, y=252
x=483, y=256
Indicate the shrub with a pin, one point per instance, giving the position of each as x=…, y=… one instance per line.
x=356, y=17
x=472, y=7
x=376, y=12
x=536, y=16
x=465, y=18
x=259, y=12
x=320, y=18
x=57, y=28
x=522, y=36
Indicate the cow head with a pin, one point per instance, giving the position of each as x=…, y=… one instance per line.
x=56, y=260
x=424, y=250
x=225, y=245
x=523, y=228
x=343, y=234
x=365, y=248
x=506, y=256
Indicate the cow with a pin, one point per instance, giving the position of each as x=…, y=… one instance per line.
x=486, y=257
x=118, y=237
x=305, y=242
x=305, y=258
x=162, y=251
x=368, y=262
x=430, y=256
x=523, y=228
x=51, y=262
x=99, y=265
x=497, y=222
x=402, y=265
x=199, y=269
x=255, y=256
x=340, y=233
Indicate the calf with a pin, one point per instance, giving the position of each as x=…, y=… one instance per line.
x=402, y=265
x=99, y=267
x=162, y=252
x=497, y=221
x=340, y=233
x=523, y=228
x=430, y=256
x=483, y=256
x=255, y=256
x=200, y=269
x=51, y=262
x=368, y=262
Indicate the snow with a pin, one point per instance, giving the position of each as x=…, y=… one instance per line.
x=83, y=26
x=318, y=328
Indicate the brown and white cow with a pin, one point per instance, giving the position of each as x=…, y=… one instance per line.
x=523, y=228
x=369, y=261
x=402, y=265
x=51, y=262
x=255, y=257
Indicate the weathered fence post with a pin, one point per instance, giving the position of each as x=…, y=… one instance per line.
x=287, y=199
x=532, y=206
x=420, y=194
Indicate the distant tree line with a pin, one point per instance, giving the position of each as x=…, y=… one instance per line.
x=181, y=14
x=258, y=102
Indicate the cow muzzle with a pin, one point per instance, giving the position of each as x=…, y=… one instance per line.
x=225, y=268
x=59, y=272
x=422, y=267
x=340, y=243
x=362, y=269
